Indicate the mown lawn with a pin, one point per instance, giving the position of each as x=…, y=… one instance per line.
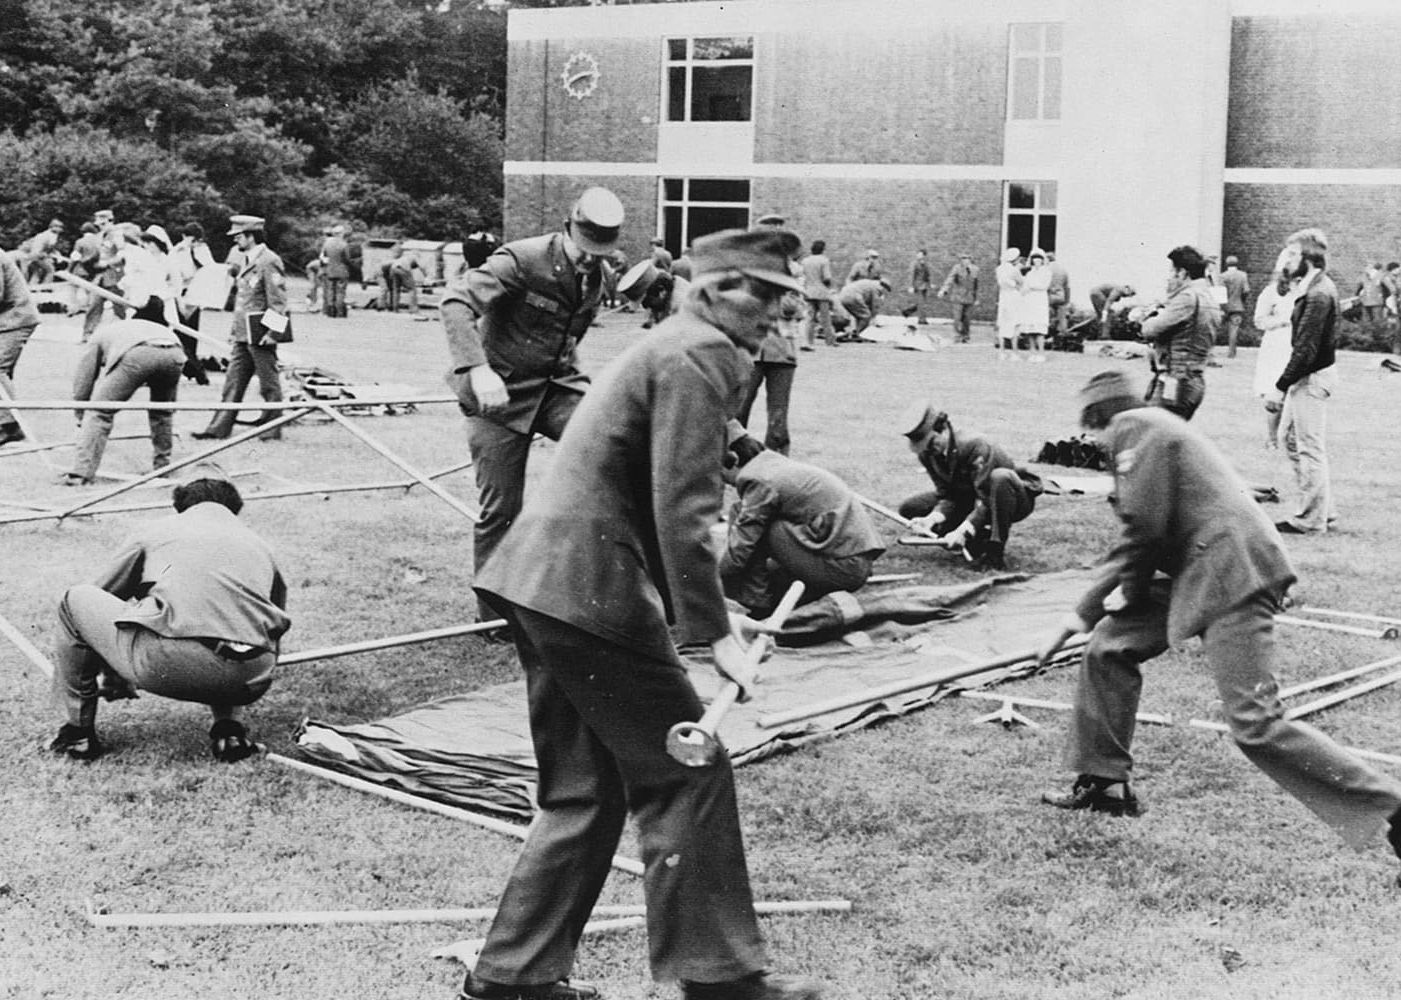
x=963, y=885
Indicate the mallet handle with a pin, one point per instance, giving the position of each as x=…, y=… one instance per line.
x=729, y=693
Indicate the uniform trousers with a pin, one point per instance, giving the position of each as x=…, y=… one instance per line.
x=334, y=304
x=1233, y=324
x=1303, y=424
x=777, y=377
x=11, y=347
x=499, y=456
x=246, y=360
x=156, y=366
x=819, y=318
x=780, y=558
x=1339, y=787
x=1008, y=501
x=181, y=668
x=962, y=320
x=599, y=715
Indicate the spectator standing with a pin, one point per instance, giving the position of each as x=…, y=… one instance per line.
x=612, y=547
x=1371, y=295
x=335, y=251
x=191, y=608
x=190, y=256
x=1391, y=284
x=18, y=318
x=776, y=367
x=1182, y=330
x=1274, y=309
x=960, y=287
x=1036, y=305
x=1059, y=296
x=120, y=359
x=1196, y=557
x=817, y=291
x=921, y=281
x=513, y=328
x=1237, y=285
x=865, y=269
x=1009, y=304
x=1308, y=381
x=259, y=320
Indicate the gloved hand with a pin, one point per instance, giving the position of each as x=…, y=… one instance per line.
x=929, y=523
x=488, y=388
x=958, y=537
x=1115, y=600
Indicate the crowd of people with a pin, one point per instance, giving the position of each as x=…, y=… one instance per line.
x=618, y=555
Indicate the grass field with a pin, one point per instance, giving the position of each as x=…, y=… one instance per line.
x=963, y=885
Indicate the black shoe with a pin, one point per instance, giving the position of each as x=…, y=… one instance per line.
x=480, y=989
x=210, y=435
x=229, y=742
x=77, y=742
x=10, y=433
x=1093, y=794
x=1393, y=832
x=1289, y=528
x=760, y=986
x=993, y=557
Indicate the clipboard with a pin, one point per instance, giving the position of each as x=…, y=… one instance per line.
x=268, y=325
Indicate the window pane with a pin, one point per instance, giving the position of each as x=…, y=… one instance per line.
x=721, y=93
x=1025, y=84
x=1053, y=37
x=720, y=190
x=671, y=188
x=724, y=48
x=1019, y=232
x=1026, y=38
x=1048, y=233
x=676, y=49
x=1050, y=105
x=671, y=226
x=704, y=221
x=676, y=94
x=1047, y=190
x=1021, y=195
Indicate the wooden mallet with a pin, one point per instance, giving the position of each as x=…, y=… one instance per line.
x=694, y=743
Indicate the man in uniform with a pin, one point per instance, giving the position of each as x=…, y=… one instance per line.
x=513, y=327
x=979, y=492
x=260, y=323
x=960, y=287
x=777, y=364
x=191, y=608
x=867, y=268
x=792, y=521
x=335, y=272
x=921, y=280
x=1197, y=557
x=613, y=546
x=1182, y=331
x=659, y=292
x=1237, y=285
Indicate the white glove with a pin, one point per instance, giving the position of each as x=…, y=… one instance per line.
x=929, y=523
x=1115, y=600
x=488, y=388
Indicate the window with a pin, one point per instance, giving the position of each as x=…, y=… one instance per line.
x=1030, y=215
x=1034, y=72
x=695, y=207
x=709, y=79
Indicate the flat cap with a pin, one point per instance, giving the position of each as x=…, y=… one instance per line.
x=762, y=254
x=1113, y=383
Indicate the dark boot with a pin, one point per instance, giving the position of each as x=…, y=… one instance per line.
x=480, y=989
x=759, y=986
x=77, y=742
x=1101, y=795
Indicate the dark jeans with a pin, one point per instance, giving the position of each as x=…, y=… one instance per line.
x=779, y=379
x=599, y=716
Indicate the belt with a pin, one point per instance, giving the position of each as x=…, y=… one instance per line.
x=237, y=651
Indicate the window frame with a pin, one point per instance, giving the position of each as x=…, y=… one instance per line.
x=1041, y=53
x=1037, y=212
x=678, y=242
x=689, y=63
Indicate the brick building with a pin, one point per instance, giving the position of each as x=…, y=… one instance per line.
x=1108, y=131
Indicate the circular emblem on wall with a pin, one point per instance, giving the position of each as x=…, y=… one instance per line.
x=580, y=75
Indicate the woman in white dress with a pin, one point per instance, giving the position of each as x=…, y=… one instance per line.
x=1036, y=305
x=1009, y=303
x=1274, y=309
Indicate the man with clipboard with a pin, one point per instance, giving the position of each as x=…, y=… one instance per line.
x=260, y=323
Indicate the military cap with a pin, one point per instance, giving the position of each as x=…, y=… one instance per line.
x=638, y=278
x=762, y=254
x=771, y=219
x=920, y=418
x=245, y=224
x=1113, y=383
x=595, y=220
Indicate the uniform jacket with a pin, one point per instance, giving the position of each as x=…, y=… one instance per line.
x=529, y=309
x=961, y=284
x=336, y=251
x=1059, y=291
x=616, y=539
x=1185, y=512
x=962, y=475
x=1184, y=329
x=921, y=275
x=260, y=285
x=867, y=269
x=17, y=311
x=200, y=574
x=820, y=511
x=1313, y=322
x=1237, y=284
x=109, y=345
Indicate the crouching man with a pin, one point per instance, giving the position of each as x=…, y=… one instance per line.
x=792, y=521
x=979, y=492
x=1196, y=557
x=191, y=608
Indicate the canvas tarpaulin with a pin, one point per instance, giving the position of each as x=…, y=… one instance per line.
x=473, y=750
